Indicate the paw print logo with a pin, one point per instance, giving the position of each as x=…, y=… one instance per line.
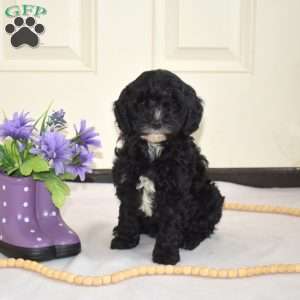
x=24, y=33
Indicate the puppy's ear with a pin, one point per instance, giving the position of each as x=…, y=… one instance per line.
x=194, y=110
x=121, y=114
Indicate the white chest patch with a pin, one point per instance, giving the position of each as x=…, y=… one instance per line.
x=148, y=193
x=154, y=150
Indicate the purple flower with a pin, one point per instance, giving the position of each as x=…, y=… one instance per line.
x=19, y=127
x=58, y=115
x=55, y=148
x=56, y=120
x=81, y=162
x=86, y=136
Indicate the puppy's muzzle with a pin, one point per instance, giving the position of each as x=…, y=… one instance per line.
x=154, y=137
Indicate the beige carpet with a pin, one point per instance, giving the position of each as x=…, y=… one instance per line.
x=242, y=239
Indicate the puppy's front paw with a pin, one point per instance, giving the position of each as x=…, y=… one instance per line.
x=166, y=256
x=118, y=243
x=190, y=244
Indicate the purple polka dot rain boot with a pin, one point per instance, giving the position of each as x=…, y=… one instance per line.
x=20, y=234
x=65, y=240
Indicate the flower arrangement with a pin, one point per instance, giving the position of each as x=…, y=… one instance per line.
x=43, y=151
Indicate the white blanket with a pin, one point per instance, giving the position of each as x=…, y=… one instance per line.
x=242, y=239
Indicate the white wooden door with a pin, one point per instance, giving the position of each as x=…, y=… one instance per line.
x=242, y=57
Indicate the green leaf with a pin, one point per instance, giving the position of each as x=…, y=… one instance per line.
x=39, y=164
x=58, y=195
x=58, y=189
x=41, y=176
x=28, y=147
x=43, y=115
x=8, y=147
x=8, y=159
x=16, y=154
x=67, y=176
x=11, y=170
x=11, y=151
x=43, y=127
x=1, y=151
x=34, y=164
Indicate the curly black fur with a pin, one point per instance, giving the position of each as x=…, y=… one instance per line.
x=186, y=205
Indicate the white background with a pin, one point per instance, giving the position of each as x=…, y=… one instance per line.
x=242, y=57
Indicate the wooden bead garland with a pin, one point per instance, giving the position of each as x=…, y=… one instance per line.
x=167, y=269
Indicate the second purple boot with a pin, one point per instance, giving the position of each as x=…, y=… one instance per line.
x=65, y=240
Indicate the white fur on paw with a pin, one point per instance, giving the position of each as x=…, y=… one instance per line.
x=148, y=194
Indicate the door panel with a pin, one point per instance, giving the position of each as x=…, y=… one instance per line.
x=242, y=57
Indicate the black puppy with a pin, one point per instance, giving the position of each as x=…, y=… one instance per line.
x=160, y=176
